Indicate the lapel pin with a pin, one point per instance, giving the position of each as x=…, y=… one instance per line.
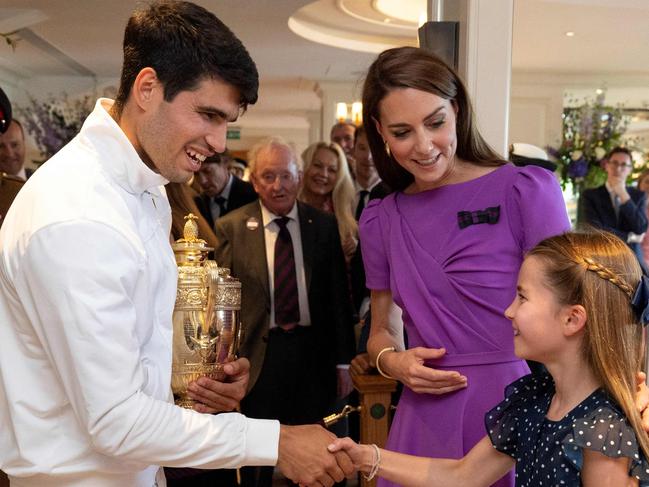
x=252, y=223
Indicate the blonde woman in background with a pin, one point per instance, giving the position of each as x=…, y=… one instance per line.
x=327, y=185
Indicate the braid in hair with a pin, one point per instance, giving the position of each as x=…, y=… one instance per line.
x=605, y=273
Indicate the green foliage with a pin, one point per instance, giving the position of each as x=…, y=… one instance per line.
x=590, y=131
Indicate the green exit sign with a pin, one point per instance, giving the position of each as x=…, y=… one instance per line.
x=233, y=134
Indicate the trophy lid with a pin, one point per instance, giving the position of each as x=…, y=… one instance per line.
x=190, y=249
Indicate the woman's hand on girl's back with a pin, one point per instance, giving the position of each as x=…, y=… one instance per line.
x=408, y=367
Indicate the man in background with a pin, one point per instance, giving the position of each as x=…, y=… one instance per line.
x=616, y=207
x=297, y=320
x=12, y=152
x=221, y=192
x=12, y=156
x=343, y=134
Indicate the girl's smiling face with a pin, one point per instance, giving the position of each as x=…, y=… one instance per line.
x=536, y=314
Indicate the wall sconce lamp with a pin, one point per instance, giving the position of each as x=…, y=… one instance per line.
x=344, y=114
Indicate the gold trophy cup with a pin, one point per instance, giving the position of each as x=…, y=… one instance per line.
x=206, y=328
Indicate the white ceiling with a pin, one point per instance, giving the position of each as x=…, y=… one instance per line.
x=610, y=36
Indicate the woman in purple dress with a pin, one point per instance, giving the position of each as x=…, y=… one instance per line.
x=446, y=248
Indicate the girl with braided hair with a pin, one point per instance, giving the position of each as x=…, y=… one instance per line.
x=580, y=307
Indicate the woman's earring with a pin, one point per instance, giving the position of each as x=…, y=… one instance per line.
x=387, y=149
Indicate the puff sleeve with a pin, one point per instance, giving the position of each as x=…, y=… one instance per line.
x=503, y=422
x=536, y=207
x=607, y=431
x=373, y=238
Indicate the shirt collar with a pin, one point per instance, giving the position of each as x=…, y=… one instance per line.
x=359, y=188
x=268, y=216
x=118, y=156
x=22, y=174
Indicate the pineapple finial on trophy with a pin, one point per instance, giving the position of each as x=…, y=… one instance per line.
x=190, y=231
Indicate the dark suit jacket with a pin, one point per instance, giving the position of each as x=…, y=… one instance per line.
x=243, y=251
x=356, y=268
x=241, y=193
x=596, y=209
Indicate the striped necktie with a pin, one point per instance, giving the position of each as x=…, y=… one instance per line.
x=287, y=306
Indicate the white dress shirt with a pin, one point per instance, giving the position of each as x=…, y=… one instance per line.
x=87, y=288
x=271, y=229
x=357, y=195
x=22, y=174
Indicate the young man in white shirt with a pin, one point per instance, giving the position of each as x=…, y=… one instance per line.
x=88, y=282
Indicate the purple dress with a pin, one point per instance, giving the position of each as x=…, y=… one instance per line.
x=451, y=257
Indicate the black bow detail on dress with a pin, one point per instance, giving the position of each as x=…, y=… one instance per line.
x=640, y=301
x=488, y=215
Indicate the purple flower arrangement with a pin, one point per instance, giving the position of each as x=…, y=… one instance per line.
x=590, y=131
x=54, y=122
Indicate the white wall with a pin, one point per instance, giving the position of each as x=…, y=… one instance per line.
x=537, y=101
x=291, y=109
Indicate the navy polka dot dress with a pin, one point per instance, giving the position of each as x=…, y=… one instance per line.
x=550, y=453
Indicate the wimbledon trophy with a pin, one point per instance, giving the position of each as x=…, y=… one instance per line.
x=206, y=329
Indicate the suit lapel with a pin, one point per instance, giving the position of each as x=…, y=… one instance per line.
x=607, y=205
x=307, y=231
x=255, y=246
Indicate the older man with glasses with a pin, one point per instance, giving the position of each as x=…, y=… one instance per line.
x=614, y=206
x=298, y=330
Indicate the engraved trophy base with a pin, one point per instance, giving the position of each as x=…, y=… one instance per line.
x=185, y=374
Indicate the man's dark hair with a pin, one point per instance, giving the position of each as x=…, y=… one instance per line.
x=185, y=44
x=620, y=150
x=219, y=158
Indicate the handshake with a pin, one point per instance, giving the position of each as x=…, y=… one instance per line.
x=305, y=456
x=306, y=453
x=310, y=455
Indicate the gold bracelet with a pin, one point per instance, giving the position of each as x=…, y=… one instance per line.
x=375, y=466
x=378, y=358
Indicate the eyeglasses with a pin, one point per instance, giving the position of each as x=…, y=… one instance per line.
x=285, y=177
x=620, y=165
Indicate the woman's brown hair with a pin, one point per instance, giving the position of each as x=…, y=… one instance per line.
x=412, y=67
x=599, y=271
